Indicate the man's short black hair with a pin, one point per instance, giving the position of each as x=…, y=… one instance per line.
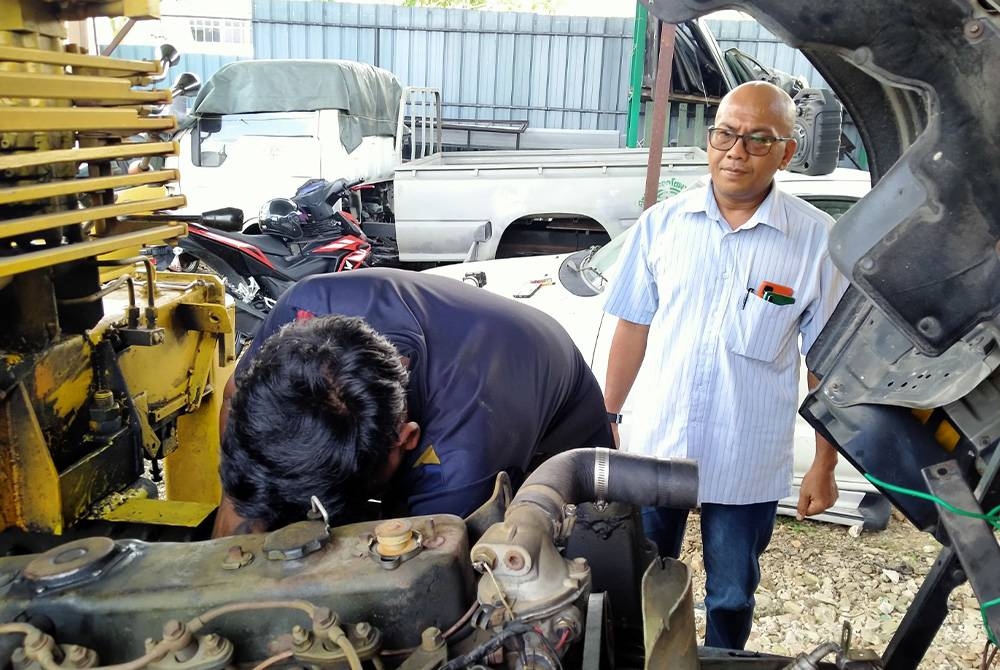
x=315, y=414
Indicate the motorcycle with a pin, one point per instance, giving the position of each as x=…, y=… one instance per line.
x=313, y=232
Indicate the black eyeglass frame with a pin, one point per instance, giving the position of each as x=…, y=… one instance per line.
x=745, y=138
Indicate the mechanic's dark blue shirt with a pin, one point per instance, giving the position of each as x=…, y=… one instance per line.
x=492, y=381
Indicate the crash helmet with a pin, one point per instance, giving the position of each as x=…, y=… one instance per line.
x=281, y=217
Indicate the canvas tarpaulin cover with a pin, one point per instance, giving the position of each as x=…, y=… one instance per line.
x=368, y=96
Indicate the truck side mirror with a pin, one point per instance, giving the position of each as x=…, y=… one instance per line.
x=484, y=232
x=169, y=55
x=186, y=85
x=480, y=235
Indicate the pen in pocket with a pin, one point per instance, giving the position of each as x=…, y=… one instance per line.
x=746, y=296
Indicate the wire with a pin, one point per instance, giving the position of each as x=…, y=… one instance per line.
x=197, y=623
x=22, y=628
x=163, y=647
x=340, y=639
x=496, y=585
x=563, y=639
x=548, y=645
x=990, y=517
x=512, y=629
x=455, y=627
x=461, y=622
x=277, y=658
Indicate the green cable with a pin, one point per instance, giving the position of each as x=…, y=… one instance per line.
x=990, y=518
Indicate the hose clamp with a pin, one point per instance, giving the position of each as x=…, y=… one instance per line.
x=602, y=466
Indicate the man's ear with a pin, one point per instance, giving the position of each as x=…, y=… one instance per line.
x=790, y=147
x=409, y=436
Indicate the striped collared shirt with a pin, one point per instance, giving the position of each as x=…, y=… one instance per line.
x=721, y=371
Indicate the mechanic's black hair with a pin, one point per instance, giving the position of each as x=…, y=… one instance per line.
x=315, y=414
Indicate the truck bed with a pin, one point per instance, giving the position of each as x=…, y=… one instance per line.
x=441, y=200
x=546, y=159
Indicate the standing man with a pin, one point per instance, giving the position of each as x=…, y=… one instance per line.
x=409, y=387
x=693, y=285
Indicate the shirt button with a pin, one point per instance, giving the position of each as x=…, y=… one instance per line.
x=725, y=275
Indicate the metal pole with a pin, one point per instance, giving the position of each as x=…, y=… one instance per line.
x=661, y=106
x=635, y=77
x=119, y=36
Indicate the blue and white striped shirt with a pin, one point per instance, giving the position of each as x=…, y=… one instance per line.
x=722, y=364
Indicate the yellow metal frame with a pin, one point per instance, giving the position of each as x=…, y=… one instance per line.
x=110, y=90
x=89, y=185
x=59, y=108
x=124, y=150
x=84, y=119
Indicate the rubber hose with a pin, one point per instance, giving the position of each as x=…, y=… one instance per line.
x=637, y=480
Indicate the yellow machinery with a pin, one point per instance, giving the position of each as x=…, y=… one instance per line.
x=105, y=369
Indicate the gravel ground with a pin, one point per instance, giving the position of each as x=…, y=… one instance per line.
x=816, y=575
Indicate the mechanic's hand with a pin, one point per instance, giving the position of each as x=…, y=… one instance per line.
x=614, y=434
x=818, y=491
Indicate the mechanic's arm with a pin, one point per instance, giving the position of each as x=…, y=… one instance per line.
x=818, y=491
x=628, y=348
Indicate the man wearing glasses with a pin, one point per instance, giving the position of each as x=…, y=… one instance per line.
x=718, y=282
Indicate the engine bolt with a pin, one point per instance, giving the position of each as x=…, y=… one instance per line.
x=484, y=556
x=76, y=653
x=213, y=643
x=299, y=634
x=973, y=29
x=363, y=630
x=431, y=639
x=324, y=617
x=173, y=630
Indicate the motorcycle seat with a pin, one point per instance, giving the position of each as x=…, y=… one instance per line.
x=269, y=244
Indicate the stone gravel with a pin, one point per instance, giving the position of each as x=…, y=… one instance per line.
x=816, y=575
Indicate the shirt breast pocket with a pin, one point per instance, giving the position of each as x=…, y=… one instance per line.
x=761, y=329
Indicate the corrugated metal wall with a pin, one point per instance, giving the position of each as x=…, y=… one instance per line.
x=553, y=71
x=203, y=65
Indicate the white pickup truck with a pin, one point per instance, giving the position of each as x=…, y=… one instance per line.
x=259, y=129
x=535, y=201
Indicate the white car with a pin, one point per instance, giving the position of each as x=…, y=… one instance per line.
x=569, y=286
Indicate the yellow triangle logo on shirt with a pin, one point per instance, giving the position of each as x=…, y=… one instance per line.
x=429, y=457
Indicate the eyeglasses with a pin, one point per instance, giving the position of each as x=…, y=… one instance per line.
x=756, y=145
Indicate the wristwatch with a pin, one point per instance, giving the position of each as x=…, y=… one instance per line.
x=614, y=418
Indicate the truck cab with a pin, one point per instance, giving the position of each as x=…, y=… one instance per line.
x=259, y=129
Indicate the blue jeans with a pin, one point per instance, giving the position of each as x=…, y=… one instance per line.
x=733, y=537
